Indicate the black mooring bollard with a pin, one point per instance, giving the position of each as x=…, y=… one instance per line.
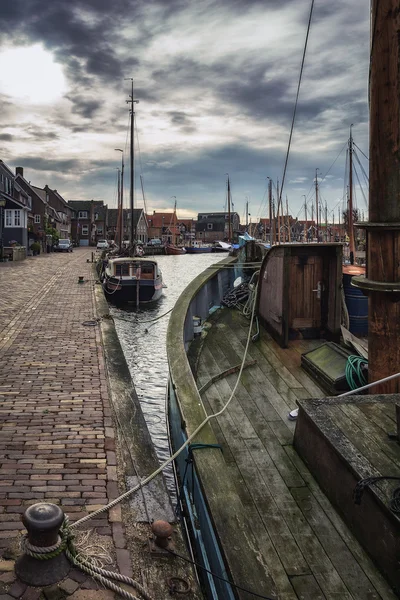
x=43, y=522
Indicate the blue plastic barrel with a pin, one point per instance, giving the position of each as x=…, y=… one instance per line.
x=357, y=306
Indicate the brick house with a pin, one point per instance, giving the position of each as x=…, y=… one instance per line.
x=215, y=226
x=14, y=213
x=89, y=222
x=40, y=213
x=139, y=223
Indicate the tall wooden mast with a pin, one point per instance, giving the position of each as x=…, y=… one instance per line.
x=270, y=210
x=316, y=201
x=132, y=102
x=382, y=282
x=350, y=219
x=229, y=213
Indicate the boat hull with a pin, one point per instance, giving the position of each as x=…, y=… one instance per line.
x=203, y=250
x=124, y=292
x=174, y=250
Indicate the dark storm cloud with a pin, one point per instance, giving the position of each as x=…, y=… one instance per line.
x=6, y=137
x=40, y=134
x=64, y=166
x=84, y=107
x=72, y=35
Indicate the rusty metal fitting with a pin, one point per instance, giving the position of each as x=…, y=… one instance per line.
x=162, y=532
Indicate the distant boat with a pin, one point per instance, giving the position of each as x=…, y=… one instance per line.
x=198, y=248
x=222, y=247
x=131, y=279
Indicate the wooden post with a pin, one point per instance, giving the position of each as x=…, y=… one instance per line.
x=383, y=230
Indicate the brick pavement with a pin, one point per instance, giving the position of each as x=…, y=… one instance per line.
x=56, y=431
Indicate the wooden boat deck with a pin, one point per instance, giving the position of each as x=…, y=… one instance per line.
x=309, y=550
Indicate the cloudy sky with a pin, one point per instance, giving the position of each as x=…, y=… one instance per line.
x=216, y=81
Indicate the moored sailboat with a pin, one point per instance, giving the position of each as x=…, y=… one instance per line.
x=172, y=248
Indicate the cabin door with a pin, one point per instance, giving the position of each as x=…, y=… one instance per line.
x=306, y=290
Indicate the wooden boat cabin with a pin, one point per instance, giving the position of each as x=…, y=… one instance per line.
x=299, y=292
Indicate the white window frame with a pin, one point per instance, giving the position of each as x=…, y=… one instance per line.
x=18, y=218
x=85, y=229
x=37, y=219
x=14, y=218
x=209, y=226
x=83, y=214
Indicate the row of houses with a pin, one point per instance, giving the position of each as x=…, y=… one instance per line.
x=30, y=214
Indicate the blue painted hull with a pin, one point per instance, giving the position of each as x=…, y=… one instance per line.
x=199, y=523
x=201, y=250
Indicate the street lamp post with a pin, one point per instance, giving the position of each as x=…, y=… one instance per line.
x=121, y=207
x=2, y=205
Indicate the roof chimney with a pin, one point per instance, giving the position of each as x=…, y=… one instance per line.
x=19, y=171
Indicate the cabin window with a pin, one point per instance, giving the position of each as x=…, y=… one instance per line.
x=122, y=269
x=37, y=218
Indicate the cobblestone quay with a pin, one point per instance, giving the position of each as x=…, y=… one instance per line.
x=56, y=434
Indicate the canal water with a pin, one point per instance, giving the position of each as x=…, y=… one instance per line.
x=144, y=342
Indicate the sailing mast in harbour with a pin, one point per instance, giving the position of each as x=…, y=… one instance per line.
x=350, y=218
x=132, y=102
x=270, y=209
x=229, y=213
x=316, y=201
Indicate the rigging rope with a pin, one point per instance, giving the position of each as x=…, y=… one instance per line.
x=296, y=101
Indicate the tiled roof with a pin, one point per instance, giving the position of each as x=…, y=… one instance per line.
x=98, y=207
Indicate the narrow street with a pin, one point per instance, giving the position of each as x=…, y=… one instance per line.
x=56, y=434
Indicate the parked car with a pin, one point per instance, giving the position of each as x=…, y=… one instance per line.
x=154, y=242
x=63, y=246
x=102, y=245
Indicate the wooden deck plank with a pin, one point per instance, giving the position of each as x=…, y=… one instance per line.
x=375, y=414
x=366, y=446
x=309, y=551
x=389, y=447
x=355, y=548
x=343, y=560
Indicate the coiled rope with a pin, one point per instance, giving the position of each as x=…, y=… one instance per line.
x=65, y=544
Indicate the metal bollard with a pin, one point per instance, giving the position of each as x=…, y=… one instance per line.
x=43, y=522
x=162, y=532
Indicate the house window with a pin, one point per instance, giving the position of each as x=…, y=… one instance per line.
x=37, y=218
x=85, y=229
x=82, y=214
x=100, y=230
x=13, y=218
x=209, y=225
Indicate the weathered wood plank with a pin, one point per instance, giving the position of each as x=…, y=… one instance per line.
x=363, y=443
x=379, y=437
x=307, y=588
x=343, y=560
x=355, y=548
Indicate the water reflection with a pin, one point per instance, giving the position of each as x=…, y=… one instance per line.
x=143, y=341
